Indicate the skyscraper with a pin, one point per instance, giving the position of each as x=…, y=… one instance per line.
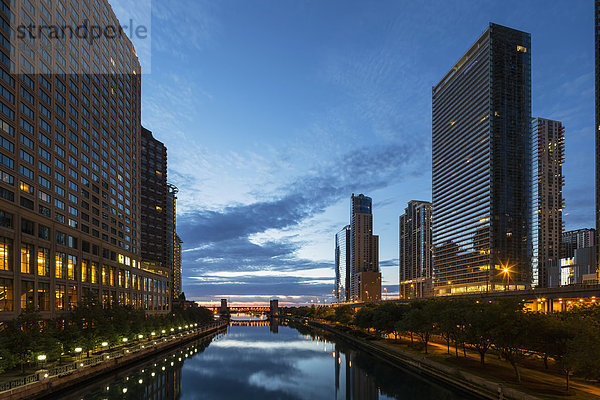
x=365, y=278
x=415, y=251
x=342, y=265
x=69, y=171
x=597, y=130
x=481, y=167
x=177, y=285
x=173, y=241
x=153, y=197
x=547, y=158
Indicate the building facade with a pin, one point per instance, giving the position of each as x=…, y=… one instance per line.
x=153, y=202
x=481, y=167
x=547, y=181
x=70, y=172
x=597, y=127
x=173, y=241
x=578, y=257
x=342, y=265
x=365, y=278
x=415, y=251
x=177, y=285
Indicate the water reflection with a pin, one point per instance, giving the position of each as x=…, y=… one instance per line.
x=263, y=360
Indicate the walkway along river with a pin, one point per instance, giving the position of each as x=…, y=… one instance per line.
x=262, y=360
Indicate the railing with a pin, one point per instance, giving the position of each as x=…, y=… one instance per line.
x=67, y=369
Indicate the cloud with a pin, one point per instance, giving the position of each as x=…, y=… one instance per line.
x=223, y=240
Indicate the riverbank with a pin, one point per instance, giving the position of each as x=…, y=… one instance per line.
x=47, y=382
x=454, y=377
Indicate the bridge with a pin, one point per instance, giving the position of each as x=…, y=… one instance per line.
x=242, y=309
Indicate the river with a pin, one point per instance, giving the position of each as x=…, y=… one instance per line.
x=259, y=360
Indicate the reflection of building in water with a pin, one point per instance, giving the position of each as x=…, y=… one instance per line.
x=351, y=382
x=274, y=325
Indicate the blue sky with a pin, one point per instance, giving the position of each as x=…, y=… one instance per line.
x=275, y=112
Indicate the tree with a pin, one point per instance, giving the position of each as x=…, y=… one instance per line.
x=343, y=314
x=421, y=319
x=481, y=320
x=364, y=317
x=511, y=337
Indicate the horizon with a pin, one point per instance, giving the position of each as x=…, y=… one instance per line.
x=273, y=121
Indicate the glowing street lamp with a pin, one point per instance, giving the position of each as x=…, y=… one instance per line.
x=124, y=339
x=104, y=344
x=41, y=357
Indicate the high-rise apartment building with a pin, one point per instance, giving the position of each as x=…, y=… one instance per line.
x=481, y=167
x=70, y=166
x=415, y=251
x=597, y=127
x=177, y=285
x=547, y=181
x=153, y=197
x=365, y=278
x=173, y=241
x=342, y=265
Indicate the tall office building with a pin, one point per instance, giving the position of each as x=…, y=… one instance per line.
x=547, y=158
x=69, y=171
x=365, y=278
x=415, y=251
x=597, y=130
x=342, y=265
x=481, y=167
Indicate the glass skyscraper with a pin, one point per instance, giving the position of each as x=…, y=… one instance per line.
x=342, y=265
x=481, y=167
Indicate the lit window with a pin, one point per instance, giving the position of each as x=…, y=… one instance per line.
x=522, y=49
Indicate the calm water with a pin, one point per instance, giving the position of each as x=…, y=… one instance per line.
x=262, y=361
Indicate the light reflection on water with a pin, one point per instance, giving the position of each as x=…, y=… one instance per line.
x=258, y=360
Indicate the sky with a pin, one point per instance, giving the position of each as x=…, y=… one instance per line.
x=275, y=112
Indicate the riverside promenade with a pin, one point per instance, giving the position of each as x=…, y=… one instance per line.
x=454, y=377
x=48, y=381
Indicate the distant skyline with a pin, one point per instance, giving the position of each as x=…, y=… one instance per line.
x=271, y=112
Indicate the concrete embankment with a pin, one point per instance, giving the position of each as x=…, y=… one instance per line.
x=454, y=377
x=48, y=385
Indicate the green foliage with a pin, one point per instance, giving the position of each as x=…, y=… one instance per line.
x=90, y=324
x=570, y=338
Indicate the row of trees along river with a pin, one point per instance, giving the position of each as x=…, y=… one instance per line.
x=89, y=327
x=571, y=338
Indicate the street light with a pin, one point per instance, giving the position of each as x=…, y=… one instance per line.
x=104, y=344
x=41, y=357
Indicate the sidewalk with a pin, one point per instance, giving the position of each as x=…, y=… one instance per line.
x=546, y=384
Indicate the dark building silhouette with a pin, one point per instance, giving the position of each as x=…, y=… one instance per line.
x=481, y=167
